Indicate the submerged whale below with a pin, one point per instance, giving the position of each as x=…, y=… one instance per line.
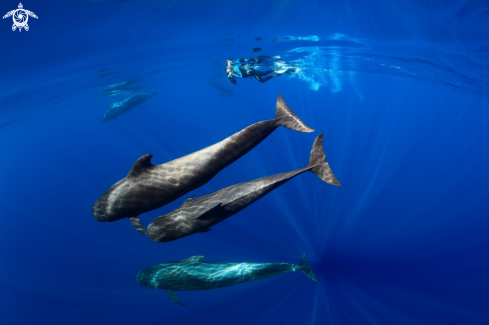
x=191, y=274
x=117, y=108
x=198, y=215
x=148, y=187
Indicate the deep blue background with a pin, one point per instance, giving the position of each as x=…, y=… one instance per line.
x=403, y=241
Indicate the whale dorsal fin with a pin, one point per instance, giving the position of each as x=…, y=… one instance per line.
x=193, y=259
x=187, y=201
x=173, y=297
x=140, y=166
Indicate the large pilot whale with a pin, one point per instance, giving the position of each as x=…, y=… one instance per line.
x=191, y=274
x=198, y=215
x=148, y=187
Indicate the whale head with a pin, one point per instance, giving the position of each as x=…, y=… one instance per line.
x=110, y=114
x=158, y=276
x=170, y=275
x=167, y=227
x=109, y=208
x=189, y=219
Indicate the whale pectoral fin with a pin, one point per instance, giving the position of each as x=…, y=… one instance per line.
x=211, y=213
x=140, y=166
x=173, y=297
x=205, y=230
x=136, y=223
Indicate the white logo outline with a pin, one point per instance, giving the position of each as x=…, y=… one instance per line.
x=20, y=17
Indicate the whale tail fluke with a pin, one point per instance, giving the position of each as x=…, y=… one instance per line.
x=287, y=118
x=305, y=268
x=319, y=165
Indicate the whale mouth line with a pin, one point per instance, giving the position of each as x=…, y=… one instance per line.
x=100, y=218
x=155, y=236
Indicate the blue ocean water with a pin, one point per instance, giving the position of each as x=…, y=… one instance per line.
x=399, y=89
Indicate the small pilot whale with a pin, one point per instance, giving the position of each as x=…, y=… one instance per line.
x=148, y=187
x=198, y=215
x=117, y=108
x=191, y=274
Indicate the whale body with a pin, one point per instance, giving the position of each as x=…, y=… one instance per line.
x=148, y=187
x=117, y=108
x=198, y=215
x=191, y=274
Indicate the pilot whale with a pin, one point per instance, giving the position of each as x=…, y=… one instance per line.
x=117, y=108
x=191, y=274
x=198, y=215
x=147, y=187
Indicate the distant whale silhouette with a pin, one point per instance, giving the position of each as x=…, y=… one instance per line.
x=148, y=187
x=198, y=215
x=117, y=108
x=191, y=274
